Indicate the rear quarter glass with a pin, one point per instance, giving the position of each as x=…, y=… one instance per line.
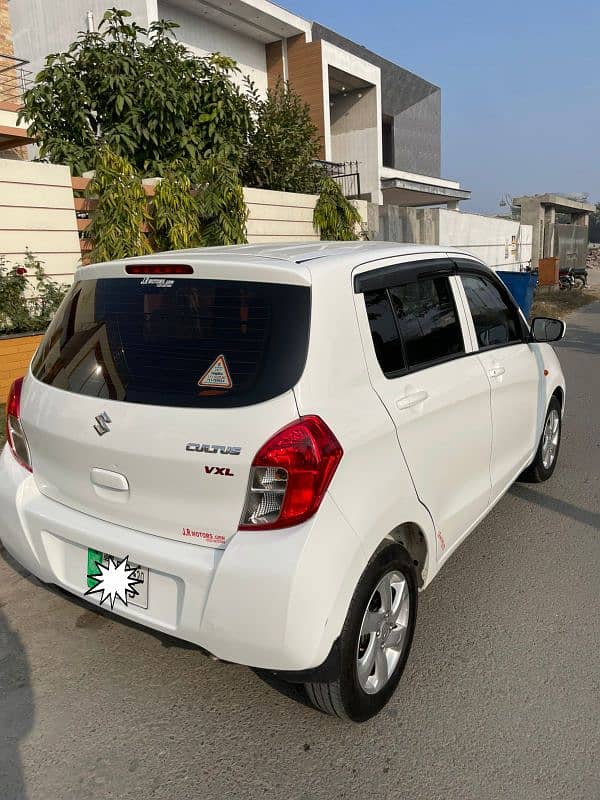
x=175, y=341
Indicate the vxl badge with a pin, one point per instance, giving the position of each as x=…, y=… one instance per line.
x=102, y=423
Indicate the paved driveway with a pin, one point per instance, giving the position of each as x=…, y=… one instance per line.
x=501, y=697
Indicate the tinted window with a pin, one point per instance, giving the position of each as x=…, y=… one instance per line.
x=495, y=321
x=428, y=320
x=177, y=342
x=384, y=331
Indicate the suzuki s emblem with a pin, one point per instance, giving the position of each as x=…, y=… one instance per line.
x=103, y=421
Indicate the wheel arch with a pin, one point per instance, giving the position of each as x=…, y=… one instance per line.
x=413, y=539
x=560, y=396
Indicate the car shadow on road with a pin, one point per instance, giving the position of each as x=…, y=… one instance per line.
x=16, y=709
x=293, y=691
x=582, y=515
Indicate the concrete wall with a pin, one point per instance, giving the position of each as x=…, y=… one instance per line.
x=410, y=225
x=37, y=212
x=501, y=244
x=355, y=135
x=203, y=36
x=49, y=26
x=534, y=214
x=280, y=216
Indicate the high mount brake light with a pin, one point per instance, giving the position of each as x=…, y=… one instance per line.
x=290, y=475
x=159, y=269
x=15, y=435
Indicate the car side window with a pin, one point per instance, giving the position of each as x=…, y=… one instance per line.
x=414, y=324
x=496, y=323
x=428, y=321
x=384, y=330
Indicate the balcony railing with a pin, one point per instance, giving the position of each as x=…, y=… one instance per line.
x=14, y=79
x=346, y=173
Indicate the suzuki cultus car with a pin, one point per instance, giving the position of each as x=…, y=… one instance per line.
x=286, y=441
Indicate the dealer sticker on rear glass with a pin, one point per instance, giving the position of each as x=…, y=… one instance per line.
x=217, y=375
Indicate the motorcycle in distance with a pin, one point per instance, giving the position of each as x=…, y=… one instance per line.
x=572, y=278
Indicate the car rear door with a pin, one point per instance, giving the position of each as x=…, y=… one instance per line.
x=149, y=397
x=514, y=373
x=418, y=353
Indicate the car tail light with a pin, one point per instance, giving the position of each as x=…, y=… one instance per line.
x=159, y=269
x=15, y=435
x=290, y=475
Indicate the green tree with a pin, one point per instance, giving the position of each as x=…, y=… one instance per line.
x=335, y=217
x=138, y=91
x=283, y=143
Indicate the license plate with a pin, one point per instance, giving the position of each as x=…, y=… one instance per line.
x=141, y=573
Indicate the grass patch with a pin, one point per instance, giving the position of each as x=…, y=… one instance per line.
x=561, y=304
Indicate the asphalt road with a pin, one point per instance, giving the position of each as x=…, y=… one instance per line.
x=500, y=699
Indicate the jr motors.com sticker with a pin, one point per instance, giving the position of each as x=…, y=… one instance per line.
x=214, y=538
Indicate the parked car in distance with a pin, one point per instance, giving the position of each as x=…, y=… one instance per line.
x=288, y=441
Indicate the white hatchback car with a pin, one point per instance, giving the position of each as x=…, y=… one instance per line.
x=287, y=441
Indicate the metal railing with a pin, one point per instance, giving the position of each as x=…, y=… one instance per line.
x=346, y=173
x=15, y=78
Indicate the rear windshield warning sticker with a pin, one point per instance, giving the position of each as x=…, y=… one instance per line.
x=217, y=375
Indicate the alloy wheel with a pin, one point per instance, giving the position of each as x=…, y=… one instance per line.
x=550, y=438
x=383, y=632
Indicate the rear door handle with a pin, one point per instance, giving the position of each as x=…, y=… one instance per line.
x=411, y=400
x=495, y=372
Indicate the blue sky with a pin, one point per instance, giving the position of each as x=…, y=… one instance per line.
x=520, y=84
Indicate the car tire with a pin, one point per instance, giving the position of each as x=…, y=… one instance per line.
x=542, y=466
x=352, y=694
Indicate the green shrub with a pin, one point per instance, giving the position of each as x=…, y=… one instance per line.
x=223, y=210
x=335, y=217
x=283, y=143
x=28, y=297
x=175, y=213
x=121, y=210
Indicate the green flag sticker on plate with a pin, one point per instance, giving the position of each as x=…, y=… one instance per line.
x=93, y=558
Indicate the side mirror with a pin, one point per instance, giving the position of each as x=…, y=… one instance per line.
x=546, y=329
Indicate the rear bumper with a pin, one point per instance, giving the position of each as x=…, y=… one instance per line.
x=273, y=600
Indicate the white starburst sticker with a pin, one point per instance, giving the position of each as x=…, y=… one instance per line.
x=115, y=581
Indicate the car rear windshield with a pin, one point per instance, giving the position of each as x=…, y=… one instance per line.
x=177, y=341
